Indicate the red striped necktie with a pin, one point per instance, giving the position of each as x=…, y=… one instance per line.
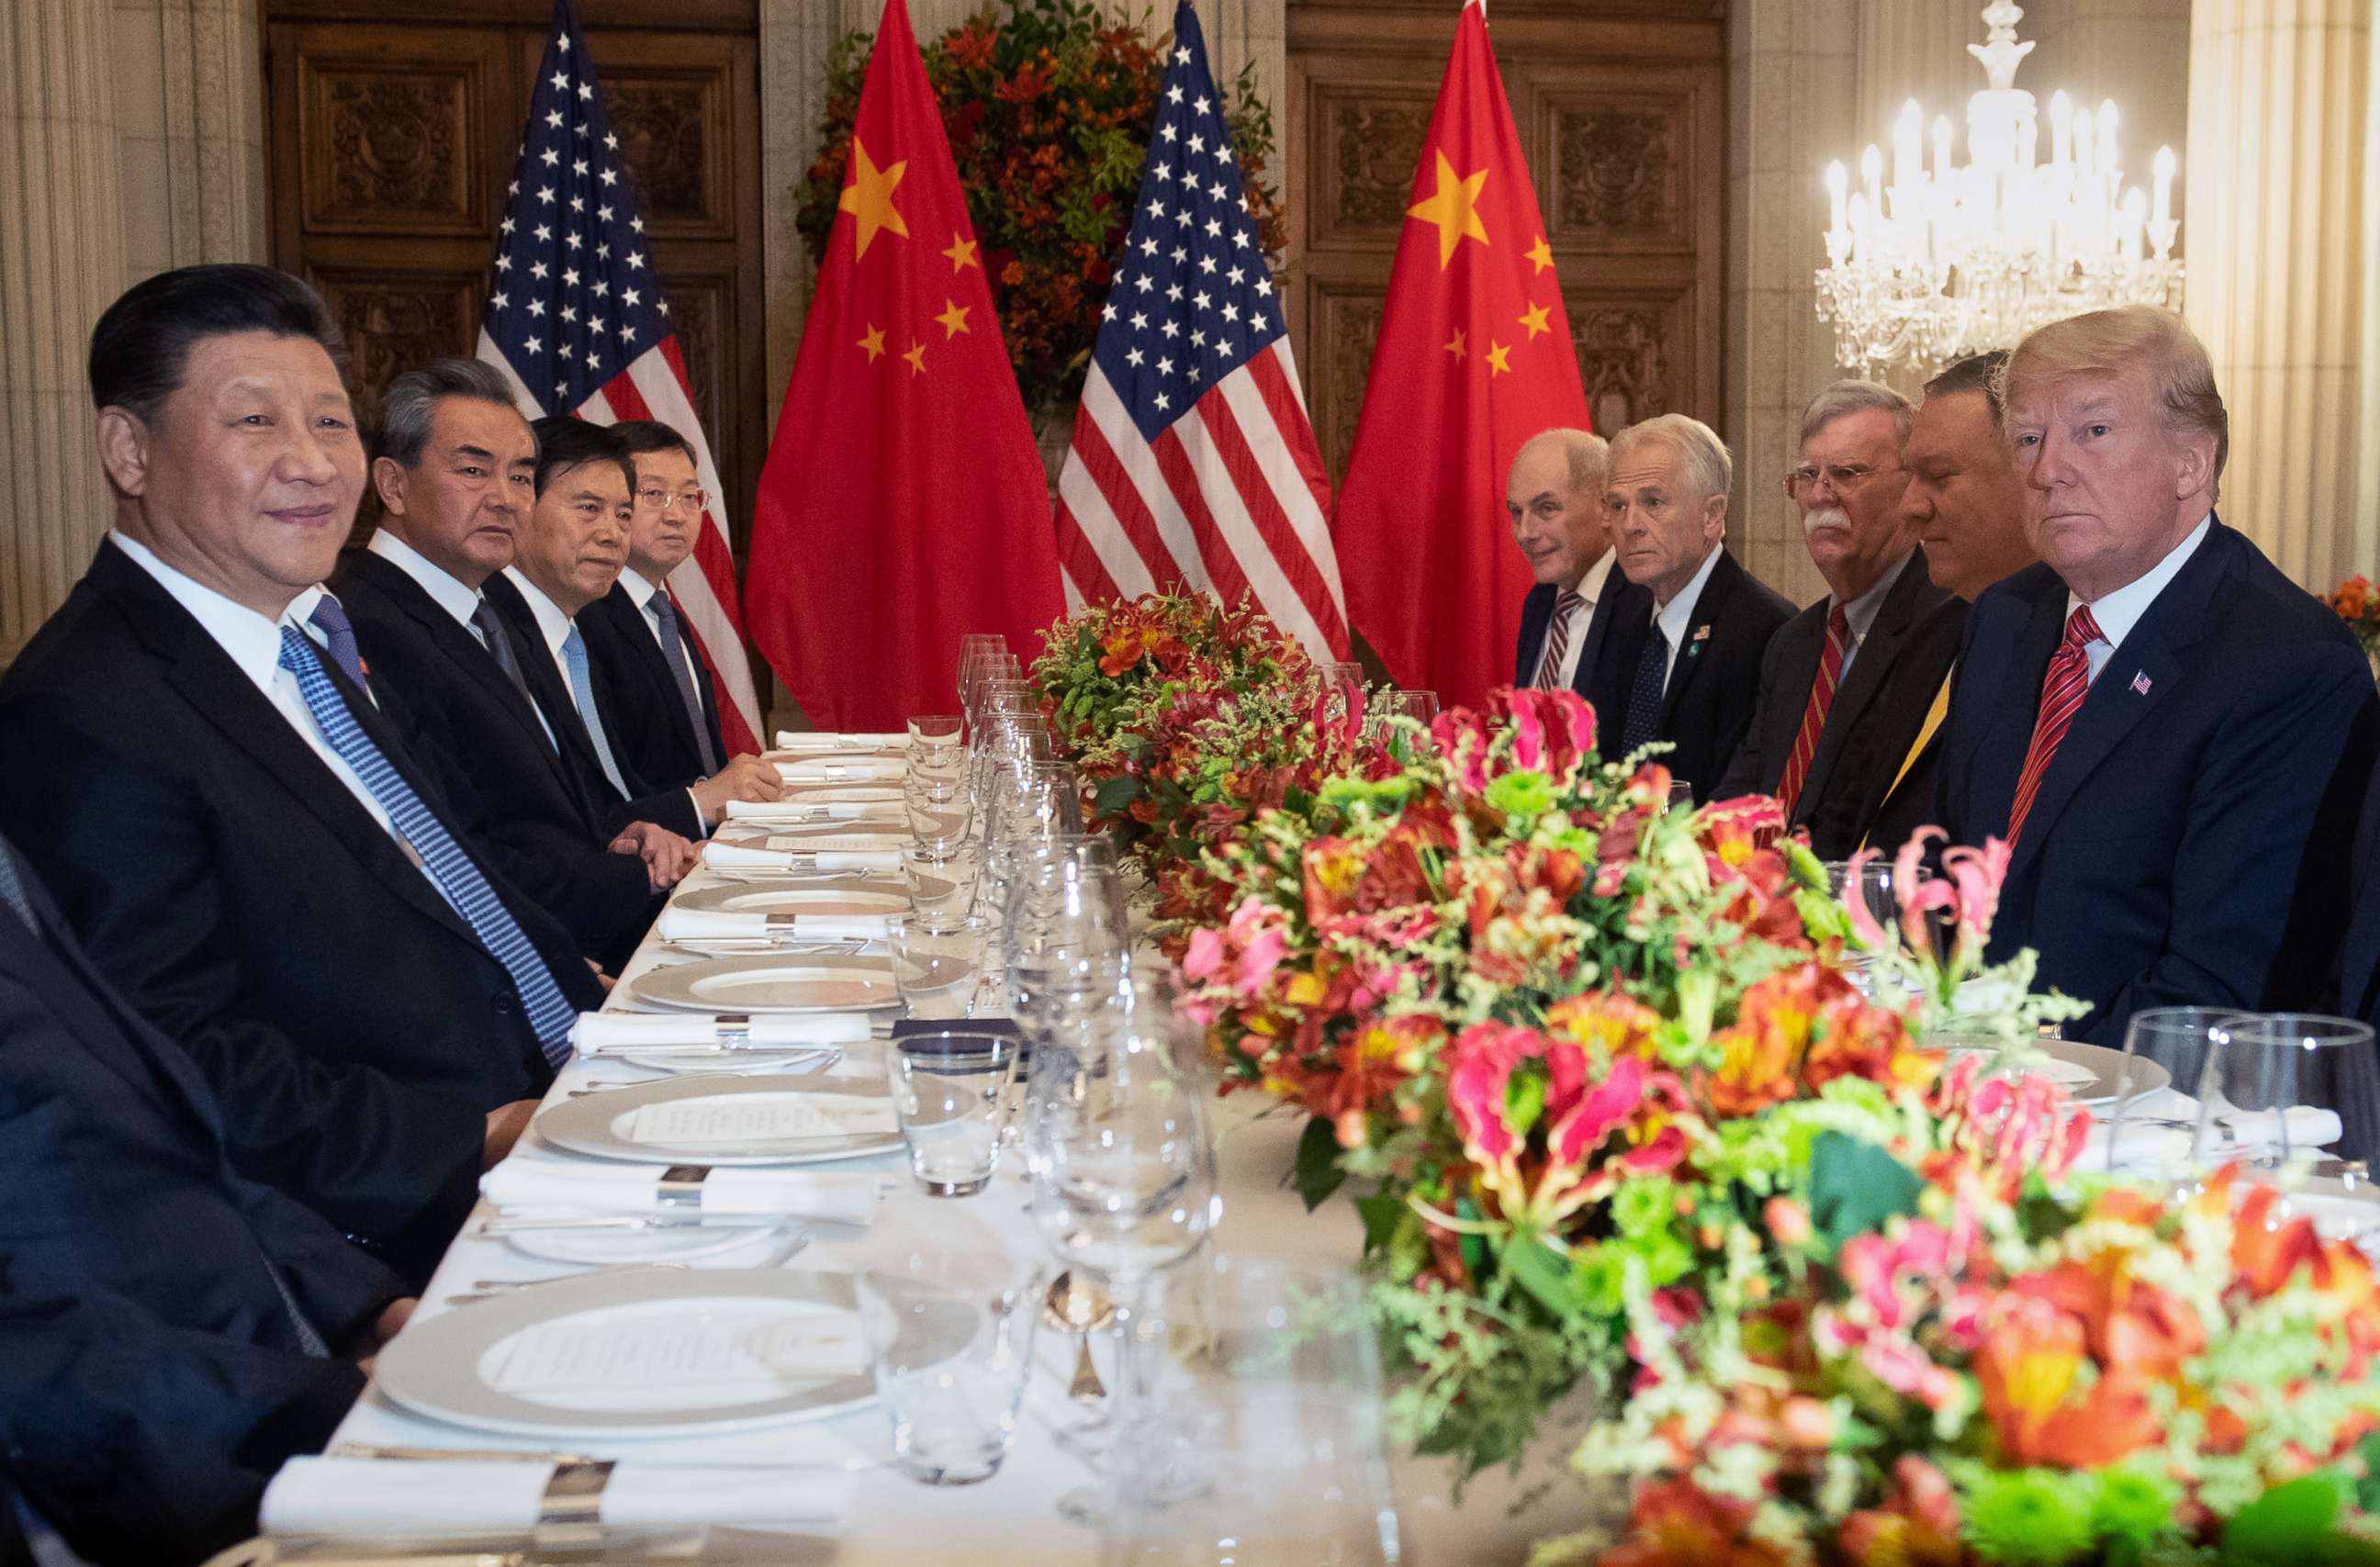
x=2062, y=690
x=1814, y=711
x=1550, y=668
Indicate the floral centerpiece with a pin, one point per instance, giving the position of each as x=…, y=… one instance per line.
x=1184, y=718
x=2359, y=604
x=1622, y=1115
x=1048, y=105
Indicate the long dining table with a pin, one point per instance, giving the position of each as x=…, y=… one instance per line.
x=1013, y=1517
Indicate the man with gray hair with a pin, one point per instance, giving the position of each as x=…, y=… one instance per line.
x=1823, y=676
x=455, y=473
x=1554, y=495
x=1687, y=672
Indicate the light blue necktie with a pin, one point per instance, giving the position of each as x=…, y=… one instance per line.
x=550, y=1015
x=582, y=691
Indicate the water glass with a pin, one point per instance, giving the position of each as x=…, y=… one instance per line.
x=950, y=1091
x=1873, y=888
x=937, y=807
x=1272, y=1447
x=938, y=961
x=950, y=1332
x=942, y=731
x=941, y=874
x=2282, y=1086
x=2151, y=1129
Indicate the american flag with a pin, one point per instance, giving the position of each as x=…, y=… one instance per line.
x=576, y=319
x=1193, y=463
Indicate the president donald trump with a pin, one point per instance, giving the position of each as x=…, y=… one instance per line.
x=2171, y=735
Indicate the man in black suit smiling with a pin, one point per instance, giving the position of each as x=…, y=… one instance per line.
x=1689, y=671
x=190, y=756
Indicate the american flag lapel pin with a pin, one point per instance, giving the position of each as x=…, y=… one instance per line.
x=2141, y=684
x=1702, y=635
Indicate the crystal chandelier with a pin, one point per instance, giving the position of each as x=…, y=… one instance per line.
x=1946, y=261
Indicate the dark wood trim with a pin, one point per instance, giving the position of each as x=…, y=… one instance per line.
x=677, y=16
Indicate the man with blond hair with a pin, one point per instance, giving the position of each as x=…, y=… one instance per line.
x=1554, y=495
x=1687, y=671
x=2173, y=737
x=1824, y=675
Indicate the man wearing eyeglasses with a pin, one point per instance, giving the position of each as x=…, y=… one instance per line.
x=1825, y=673
x=665, y=710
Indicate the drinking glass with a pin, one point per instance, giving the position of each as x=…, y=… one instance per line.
x=937, y=961
x=1273, y=1447
x=937, y=729
x=1419, y=706
x=1873, y=889
x=1682, y=795
x=941, y=874
x=951, y=1333
x=2282, y=1086
x=937, y=807
x=950, y=1094
x=2151, y=1129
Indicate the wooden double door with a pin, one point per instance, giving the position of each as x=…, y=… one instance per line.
x=1621, y=110
x=391, y=142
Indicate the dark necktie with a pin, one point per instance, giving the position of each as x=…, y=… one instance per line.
x=1644, y=695
x=665, y=616
x=500, y=648
x=2062, y=690
x=1814, y=710
x=550, y=1015
x=330, y=617
x=1550, y=668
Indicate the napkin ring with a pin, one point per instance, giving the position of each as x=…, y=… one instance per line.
x=734, y=1026
x=570, y=1514
x=681, y=1186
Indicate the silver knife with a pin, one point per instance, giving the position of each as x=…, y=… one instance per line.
x=500, y=1225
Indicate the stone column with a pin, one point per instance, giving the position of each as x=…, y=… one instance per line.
x=1793, y=72
x=191, y=121
x=2279, y=272
x=61, y=263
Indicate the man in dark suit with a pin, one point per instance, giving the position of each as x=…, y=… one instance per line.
x=1825, y=672
x=173, y=1331
x=455, y=473
x=2173, y=739
x=571, y=547
x=192, y=761
x=1968, y=509
x=1554, y=495
x=1689, y=670
x=661, y=708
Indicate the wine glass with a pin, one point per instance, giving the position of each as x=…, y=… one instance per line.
x=2275, y=1089
x=2155, y=1116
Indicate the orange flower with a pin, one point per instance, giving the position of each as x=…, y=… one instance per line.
x=2043, y=1408
x=1677, y=1523
x=2265, y=1253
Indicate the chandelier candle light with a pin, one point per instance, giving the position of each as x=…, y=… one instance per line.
x=1945, y=262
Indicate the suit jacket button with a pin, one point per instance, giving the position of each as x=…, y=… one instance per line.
x=505, y=1003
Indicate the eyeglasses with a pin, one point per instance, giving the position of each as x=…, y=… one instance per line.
x=694, y=500
x=1841, y=477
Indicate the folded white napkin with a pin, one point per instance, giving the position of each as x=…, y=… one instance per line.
x=781, y=811
x=747, y=857
x=822, y=740
x=716, y=925
x=412, y=1498
x=2309, y=1127
x=2163, y=1134
x=828, y=764
x=549, y=1186
x=608, y=1033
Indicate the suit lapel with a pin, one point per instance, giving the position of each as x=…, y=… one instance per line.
x=1895, y=618
x=546, y=685
x=1708, y=611
x=705, y=687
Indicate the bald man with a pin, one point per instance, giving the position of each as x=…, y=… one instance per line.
x=1554, y=496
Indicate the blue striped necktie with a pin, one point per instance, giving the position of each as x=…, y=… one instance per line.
x=551, y=1015
x=582, y=691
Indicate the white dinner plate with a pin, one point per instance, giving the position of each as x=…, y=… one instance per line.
x=693, y=1243
x=2091, y=1075
x=765, y=982
x=601, y=1124
x=832, y=899
x=572, y=1357
x=793, y=1061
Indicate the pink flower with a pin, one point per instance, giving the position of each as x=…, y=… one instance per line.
x=1480, y=1067
x=1260, y=957
x=1580, y=1126
x=1205, y=957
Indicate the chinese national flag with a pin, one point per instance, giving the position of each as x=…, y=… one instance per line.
x=1474, y=357
x=903, y=503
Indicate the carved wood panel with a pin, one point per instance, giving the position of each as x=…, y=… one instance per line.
x=1368, y=138
x=1633, y=353
x=395, y=320
x=390, y=145
x=665, y=126
x=1347, y=326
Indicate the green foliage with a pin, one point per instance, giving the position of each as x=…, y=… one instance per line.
x=1855, y=1187
x=1318, y=1174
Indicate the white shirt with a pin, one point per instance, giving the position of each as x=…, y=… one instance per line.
x=642, y=591
x=253, y=643
x=554, y=627
x=1672, y=619
x=1580, y=617
x=1860, y=612
x=445, y=589
x=2118, y=611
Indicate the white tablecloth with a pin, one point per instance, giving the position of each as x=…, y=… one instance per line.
x=1011, y=1518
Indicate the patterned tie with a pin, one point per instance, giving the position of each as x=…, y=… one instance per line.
x=665, y=616
x=1814, y=711
x=550, y=1015
x=1550, y=668
x=330, y=618
x=582, y=691
x=500, y=648
x=2062, y=690
x=12, y=891
x=1644, y=695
